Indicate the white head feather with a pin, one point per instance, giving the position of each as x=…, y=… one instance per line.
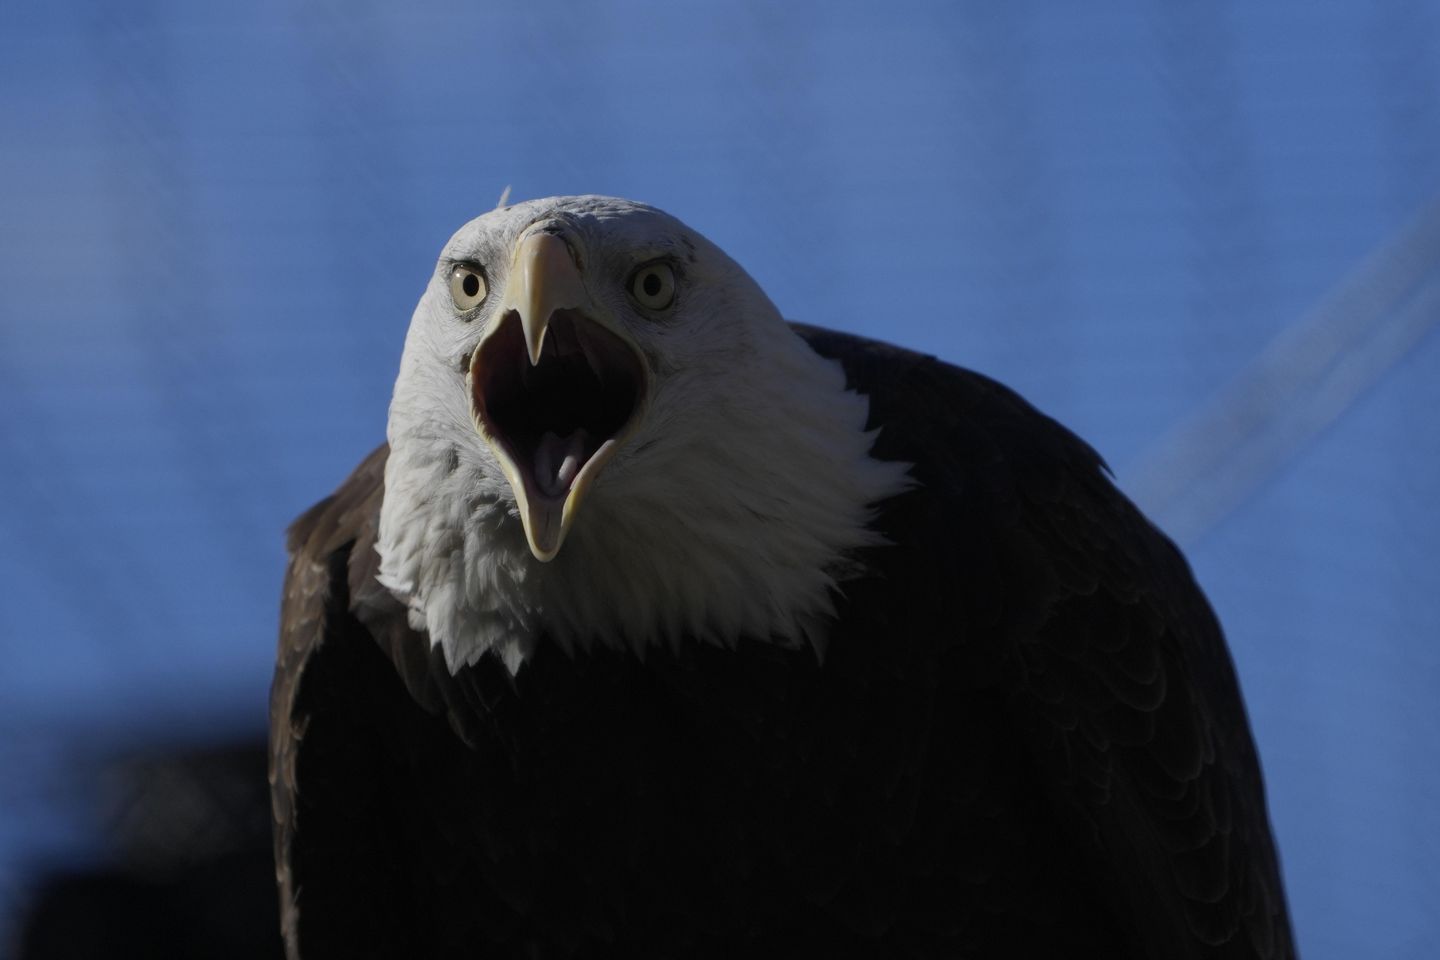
x=732, y=509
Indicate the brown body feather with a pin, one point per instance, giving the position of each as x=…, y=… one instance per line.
x=1026, y=739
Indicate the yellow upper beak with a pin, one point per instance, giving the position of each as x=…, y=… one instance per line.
x=543, y=279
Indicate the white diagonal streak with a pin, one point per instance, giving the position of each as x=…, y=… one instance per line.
x=1201, y=470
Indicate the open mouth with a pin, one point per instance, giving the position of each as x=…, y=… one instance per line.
x=556, y=422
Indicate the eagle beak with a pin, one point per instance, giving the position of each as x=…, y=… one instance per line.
x=553, y=389
x=544, y=279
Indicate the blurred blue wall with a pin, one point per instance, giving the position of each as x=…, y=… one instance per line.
x=215, y=219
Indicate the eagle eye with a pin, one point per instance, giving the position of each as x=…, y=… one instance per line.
x=467, y=286
x=653, y=285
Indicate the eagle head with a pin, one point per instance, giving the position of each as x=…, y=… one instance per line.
x=603, y=431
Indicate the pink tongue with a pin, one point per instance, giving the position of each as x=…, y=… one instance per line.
x=557, y=461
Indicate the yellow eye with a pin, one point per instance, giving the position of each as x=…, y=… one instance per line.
x=653, y=286
x=467, y=286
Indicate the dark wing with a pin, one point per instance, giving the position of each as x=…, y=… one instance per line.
x=311, y=579
x=329, y=605
x=1112, y=666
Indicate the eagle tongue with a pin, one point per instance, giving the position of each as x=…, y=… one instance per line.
x=557, y=461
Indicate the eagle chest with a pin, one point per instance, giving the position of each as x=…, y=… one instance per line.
x=710, y=787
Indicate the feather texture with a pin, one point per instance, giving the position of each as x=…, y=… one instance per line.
x=1025, y=739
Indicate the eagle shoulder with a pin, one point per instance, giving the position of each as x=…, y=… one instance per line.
x=1115, y=672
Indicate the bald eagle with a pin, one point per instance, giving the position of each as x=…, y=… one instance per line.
x=664, y=628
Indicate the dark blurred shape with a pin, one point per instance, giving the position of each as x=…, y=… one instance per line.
x=189, y=871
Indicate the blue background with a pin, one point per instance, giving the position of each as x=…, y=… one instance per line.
x=1201, y=234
